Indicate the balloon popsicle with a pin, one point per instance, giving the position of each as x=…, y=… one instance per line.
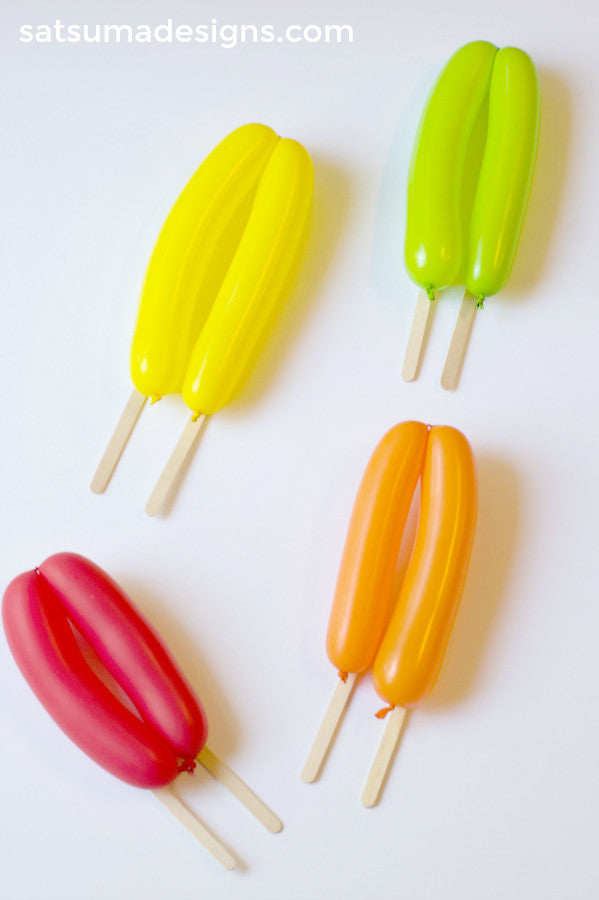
x=404, y=643
x=215, y=284
x=446, y=242
x=148, y=750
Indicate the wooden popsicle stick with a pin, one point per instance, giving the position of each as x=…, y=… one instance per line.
x=459, y=343
x=117, y=442
x=328, y=727
x=223, y=773
x=384, y=755
x=417, y=339
x=177, y=458
x=195, y=827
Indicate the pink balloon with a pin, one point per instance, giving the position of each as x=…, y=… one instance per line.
x=37, y=610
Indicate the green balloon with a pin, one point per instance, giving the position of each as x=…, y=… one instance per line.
x=506, y=172
x=434, y=251
x=471, y=170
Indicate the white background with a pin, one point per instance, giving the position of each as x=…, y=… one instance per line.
x=494, y=791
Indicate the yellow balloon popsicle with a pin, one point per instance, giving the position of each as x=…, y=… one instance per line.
x=174, y=302
x=455, y=235
x=215, y=284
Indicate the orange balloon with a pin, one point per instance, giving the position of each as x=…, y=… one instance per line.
x=363, y=594
x=412, y=650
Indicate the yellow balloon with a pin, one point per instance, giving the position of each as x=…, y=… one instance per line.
x=213, y=284
x=252, y=290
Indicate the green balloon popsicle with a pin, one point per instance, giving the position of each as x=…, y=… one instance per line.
x=463, y=224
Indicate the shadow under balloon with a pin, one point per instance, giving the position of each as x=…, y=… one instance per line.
x=496, y=539
x=389, y=273
x=223, y=735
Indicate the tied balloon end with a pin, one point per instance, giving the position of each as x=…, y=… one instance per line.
x=480, y=301
x=430, y=293
x=343, y=676
x=196, y=416
x=383, y=712
x=187, y=765
x=154, y=398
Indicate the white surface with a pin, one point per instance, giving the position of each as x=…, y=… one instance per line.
x=494, y=792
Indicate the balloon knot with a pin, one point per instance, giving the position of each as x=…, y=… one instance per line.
x=383, y=712
x=196, y=416
x=343, y=676
x=154, y=399
x=430, y=293
x=186, y=765
x=480, y=301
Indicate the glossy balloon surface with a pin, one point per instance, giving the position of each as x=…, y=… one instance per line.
x=411, y=653
x=216, y=280
x=364, y=587
x=130, y=649
x=44, y=647
x=252, y=292
x=435, y=240
x=179, y=287
x=471, y=170
x=38, y=610
x=506, y=172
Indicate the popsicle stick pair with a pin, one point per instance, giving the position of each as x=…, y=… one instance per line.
x=328, y=729
x=404, y=643
x=459, y=342
x=119, y=439
x=151, y=750
x=190, y=821
x=215, y=284
x=464, y=221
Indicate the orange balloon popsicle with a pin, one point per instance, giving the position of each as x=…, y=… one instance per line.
x=408, y=647
x=363, y=596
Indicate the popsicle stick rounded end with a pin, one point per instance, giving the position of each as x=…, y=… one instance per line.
x=152, y=507
x=369, y=799
x=98, y=485
x=310, y=773
x=275, y=826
